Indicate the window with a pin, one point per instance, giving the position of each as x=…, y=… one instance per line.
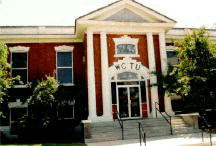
x=19, y=63
x=64, y=65
x=126, y=47
x=171, y=55
x=66, y=111
x=127, y=76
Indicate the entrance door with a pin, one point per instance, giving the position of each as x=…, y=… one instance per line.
x=128, y=101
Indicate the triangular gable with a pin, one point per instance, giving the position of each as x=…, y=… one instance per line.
x=126, y=15
x=127, y=11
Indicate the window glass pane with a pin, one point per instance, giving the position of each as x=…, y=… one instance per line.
x=120, y=49
x=172, y=57
x=128, y=83
x=135, y=103
x=22, y=73
x=130, y=48
x=65, y=75
x=123, y=102
x=19, y=60
x=64, y=59
x=127, y=76
x=126, y=49
x=171, y=54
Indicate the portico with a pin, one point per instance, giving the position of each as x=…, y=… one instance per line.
x=126, y=46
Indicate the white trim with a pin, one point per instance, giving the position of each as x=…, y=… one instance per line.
x=143, y=71
x=126, y=40
x=152, y=68
x=134, y=24
x=72, y=104
x=129, y=101
x=126, y=3
x=68, y=49
x=163, y=56
x=64, y=48
x=126, y=55
x=171, y=48
x=91, y=79
x=19, y=49
x=106, y=87
x=17, y=104
x=150, y=12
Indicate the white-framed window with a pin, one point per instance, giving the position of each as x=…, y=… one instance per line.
x=64, y=65
x=126, y=47
x=19, y=64
x=66, y=111
x=171, y=55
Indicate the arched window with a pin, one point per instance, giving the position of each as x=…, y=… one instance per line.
x=127, y=76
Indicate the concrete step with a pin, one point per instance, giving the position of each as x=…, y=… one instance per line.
x=107, y=131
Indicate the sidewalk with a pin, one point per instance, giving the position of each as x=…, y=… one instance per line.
x=174, y=140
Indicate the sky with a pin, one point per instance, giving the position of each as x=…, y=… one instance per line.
x=187, y=13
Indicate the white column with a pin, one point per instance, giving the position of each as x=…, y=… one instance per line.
x=152, y=67
x=91, y=77
x=167, y=100
x=106, y=87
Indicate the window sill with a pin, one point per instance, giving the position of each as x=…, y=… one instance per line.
x=20, y=86
x=67, y=84
x=126, y=55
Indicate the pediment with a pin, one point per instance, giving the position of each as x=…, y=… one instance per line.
x=126, y=15
x=126, y=11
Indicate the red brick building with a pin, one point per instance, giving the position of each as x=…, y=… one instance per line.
x=110, y=53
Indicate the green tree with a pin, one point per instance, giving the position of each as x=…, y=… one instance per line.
x=6, y=81
x=193, y=78
x=43, y=102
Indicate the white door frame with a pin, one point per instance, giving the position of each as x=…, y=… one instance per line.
x=129, y=100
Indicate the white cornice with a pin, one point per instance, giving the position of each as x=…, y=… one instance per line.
x=95, y=22
x=19, y=49
x=36, y=36
x=126, y=39
x=64, y=48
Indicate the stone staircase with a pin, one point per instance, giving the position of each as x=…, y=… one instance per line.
x=181, y=127
x=110, y=131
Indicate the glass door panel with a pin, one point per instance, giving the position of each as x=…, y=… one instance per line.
x=123, y=102
x=135, y=102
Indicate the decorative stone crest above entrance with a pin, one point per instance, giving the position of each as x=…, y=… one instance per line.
x=129, y=65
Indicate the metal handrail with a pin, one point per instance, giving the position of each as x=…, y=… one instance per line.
x=120, y=123
x=142, y=134
x=208, y=127
x=168, y=121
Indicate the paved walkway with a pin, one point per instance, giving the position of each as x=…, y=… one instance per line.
x=175, y=140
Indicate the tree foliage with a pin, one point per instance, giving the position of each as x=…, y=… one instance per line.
x=44, y=92
x=42, y=104
x=193, y=78
x=6, y=81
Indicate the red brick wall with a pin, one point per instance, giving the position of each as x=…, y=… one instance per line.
x=142, y=49
x=158, y=67
x=85, y=69
x=114, y=110
x=144, y=109
x=149, y=95
x=42, y=60
x=98, y=79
